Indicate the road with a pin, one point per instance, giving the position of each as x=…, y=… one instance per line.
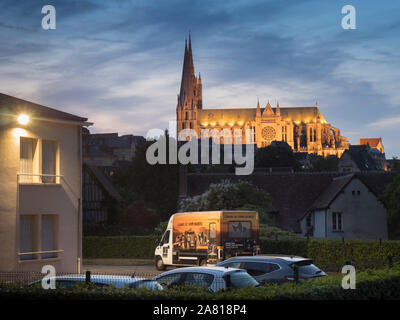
x=121, y=266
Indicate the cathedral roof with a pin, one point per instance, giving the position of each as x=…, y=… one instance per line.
x=301, y=114
x=372, y=142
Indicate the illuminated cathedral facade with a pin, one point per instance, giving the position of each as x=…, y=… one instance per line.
x=304, y=129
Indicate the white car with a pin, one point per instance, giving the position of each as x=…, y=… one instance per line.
x=213, y=278
x=119, y=282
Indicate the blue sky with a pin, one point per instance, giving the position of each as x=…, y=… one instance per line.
x=119, y=63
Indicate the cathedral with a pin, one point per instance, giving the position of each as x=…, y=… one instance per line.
x=304, y=129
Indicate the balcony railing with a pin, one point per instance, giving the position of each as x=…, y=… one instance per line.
x=39, y=255
x=27, y=178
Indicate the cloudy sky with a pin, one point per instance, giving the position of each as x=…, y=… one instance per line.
x=119, y=63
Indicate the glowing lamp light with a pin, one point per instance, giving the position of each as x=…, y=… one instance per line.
x=23, y=119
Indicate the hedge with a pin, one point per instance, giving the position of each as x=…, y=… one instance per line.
x=329, y=254
x=128, y=247
x=370, y=284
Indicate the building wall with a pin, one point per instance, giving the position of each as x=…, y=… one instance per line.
x=363, y=216
x=61, y=199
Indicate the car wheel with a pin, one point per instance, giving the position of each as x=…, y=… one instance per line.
x=160, y=264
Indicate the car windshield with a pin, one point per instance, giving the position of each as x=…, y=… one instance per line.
x=242, y=279
x=308, y=268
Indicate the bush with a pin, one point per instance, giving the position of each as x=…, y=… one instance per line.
x=296, y=247
x=371, y=284
x=332, y=254
x=133, y=247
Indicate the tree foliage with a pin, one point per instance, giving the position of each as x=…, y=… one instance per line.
x=321, y=164
x=155, y=185
x=276, y=156
x=228, y=195
x=391, y=199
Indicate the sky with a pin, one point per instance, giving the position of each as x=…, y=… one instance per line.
x=119, y=63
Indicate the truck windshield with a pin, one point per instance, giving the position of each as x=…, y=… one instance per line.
x=239, y=229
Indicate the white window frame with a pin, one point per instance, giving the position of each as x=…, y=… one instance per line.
x=37, y=254
x=37, y=176
x=335, y=218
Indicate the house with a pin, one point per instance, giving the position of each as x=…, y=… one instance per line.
x=359, y=158
x=99, y=195
x=40, y=193
x=347, y=208
x=295, y=194
x=109, y=149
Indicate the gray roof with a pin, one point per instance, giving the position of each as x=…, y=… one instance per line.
x=13, y=106
x=362, y=158
x=331, y=192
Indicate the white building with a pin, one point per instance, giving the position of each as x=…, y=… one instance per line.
x=40, y=190
x=348, y=209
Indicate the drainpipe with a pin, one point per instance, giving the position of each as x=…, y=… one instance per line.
x=79, y=234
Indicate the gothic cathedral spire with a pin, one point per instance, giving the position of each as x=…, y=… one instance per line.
x=190, y=94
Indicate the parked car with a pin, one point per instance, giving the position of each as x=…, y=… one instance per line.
x=213, y=278
x=119, y=282
x=274, y=268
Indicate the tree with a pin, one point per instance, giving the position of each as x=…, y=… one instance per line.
x=228, y=195
x=276, y=155
x=391, y=200
x=137, y=215
x=155, y=185
x=330, y=163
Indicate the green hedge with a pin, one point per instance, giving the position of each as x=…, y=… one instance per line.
x=129, y=247
x=296, y=247
x=328, y=254
x=370, y=284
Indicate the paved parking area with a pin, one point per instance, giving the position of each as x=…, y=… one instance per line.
x=121, y=266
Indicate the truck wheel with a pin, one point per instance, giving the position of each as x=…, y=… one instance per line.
x=160, y=264
x=203, y=263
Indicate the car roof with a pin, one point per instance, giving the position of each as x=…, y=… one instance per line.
x=211, y=270
x=265, y=257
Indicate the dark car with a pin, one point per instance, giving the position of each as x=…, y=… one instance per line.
x=274, y=269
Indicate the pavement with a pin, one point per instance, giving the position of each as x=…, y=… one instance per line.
x=138, y=267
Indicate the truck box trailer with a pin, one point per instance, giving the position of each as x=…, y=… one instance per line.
x=207, y=237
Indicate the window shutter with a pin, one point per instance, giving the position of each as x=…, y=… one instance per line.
x=49, y=160
x=48, y=243
x=26, y=224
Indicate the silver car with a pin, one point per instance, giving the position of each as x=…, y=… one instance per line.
x=212, y=278
x=119, y=282
x=274, y=268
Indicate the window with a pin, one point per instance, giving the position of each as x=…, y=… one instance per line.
x=34, y=239
x=170, y=279
x=259, y=268
x=49, y=158
x=233, y=265
x=27, y=153
x=48, y=235
x=242, y=280
x=26, y=233
x=337, y=221
x=38, y=161
x=165, y=238
x=199, y=279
